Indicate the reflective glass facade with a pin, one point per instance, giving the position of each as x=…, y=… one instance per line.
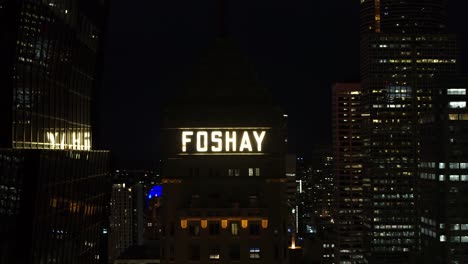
x=52, y=206
x=53, y=187
x=443, y=177
x=404, y=49
x=50, y=69
x=396, y=16
x=397, y=74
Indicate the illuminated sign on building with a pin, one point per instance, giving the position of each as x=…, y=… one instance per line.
x=70, y=140
x=219, y=141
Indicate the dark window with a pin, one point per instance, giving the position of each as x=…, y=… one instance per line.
x=172, y=229
x=194, y=230
x=194, y=252
x=254, y=229
x=171, y=252
x=214, y=229
x=234, y=252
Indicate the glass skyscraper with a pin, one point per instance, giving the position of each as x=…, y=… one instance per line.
x=54, y=188
x=404, y=48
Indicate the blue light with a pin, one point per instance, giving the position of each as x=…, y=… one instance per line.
x=156, y=191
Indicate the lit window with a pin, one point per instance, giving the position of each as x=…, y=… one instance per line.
x=464, y=239
x=454, y=177
x=257, y=171
x=441, y=165
x=235, y=229
x=214, y=254
x=231, y=172
x=237, y=172
x=251, y=172
x=460, y=104
x=442, y=238
x=441, y=177
x=456, y=91
x=464, y=177
x=254, y=253
x=464, y=226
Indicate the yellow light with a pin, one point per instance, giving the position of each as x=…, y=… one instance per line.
x=204, y=223
x=224, y=223
x=244, y=223
x=183, y=223
x=265, y=223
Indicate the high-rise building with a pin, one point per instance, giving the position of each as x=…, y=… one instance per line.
x=403, y=52
x=223, y=172
x=321, y=172
x=396, y=16
x=443, y=176
x=54, y=188
x=121, y=227
x=347, y=157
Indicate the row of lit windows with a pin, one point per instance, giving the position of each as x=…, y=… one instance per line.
x=393, y=227
x=457, y=104
x=432, y=176
x=456, y=91
x=454, y=117
x=452, y=165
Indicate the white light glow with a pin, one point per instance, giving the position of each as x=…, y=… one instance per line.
x=186, y=139
x=217, y=142
x=245, y=142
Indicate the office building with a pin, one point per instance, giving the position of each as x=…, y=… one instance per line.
x=54, y=188
x=123, y=215
x=347, y=157
x=399, y=64
x=395, y=16
x=443, y=176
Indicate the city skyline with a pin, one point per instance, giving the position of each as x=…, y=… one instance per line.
x=159, y=44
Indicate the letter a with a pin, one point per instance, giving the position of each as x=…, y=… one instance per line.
x=245, y=142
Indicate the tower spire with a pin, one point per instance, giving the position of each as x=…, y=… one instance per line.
x=221, y=19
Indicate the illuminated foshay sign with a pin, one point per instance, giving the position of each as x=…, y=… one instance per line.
x=222, y=141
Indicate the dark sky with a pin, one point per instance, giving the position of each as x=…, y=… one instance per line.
x=298, y=48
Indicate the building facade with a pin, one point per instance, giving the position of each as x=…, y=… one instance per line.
x=54, y=186
x=223, y=172
x=402, y=52
x=443, y=176
x=347, y=156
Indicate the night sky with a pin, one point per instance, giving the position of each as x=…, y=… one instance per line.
x=298, y=48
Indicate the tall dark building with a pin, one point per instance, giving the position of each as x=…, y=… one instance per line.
x=396, y=16
x=223, y=172
x=347, y=157
x=405, y=49
x=443, y=176
x=54, y=188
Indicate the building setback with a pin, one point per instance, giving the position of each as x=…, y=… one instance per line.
x=224, y=189
x=347, y=157
x=54, y=188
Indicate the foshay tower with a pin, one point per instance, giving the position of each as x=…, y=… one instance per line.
x=224, y=196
